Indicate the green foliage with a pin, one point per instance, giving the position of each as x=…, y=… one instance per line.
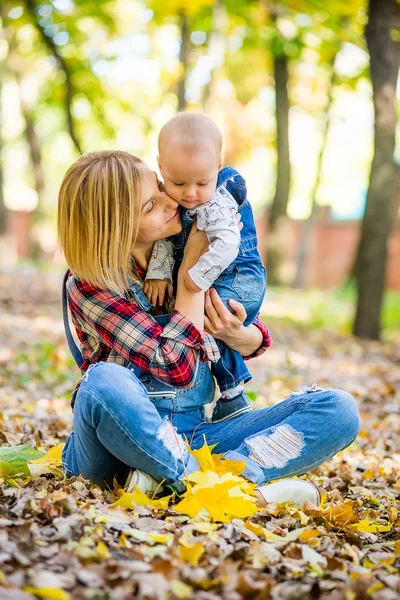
x=328, y=311
x=13, y=461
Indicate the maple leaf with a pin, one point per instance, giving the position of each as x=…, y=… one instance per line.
x=50, y=463
x=223, y=499
x=191, y=552
x=138, y=498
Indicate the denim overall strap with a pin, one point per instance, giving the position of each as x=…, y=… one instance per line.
x=76, y=353
x=234, y=183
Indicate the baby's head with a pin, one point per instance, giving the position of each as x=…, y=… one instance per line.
x=189, y=148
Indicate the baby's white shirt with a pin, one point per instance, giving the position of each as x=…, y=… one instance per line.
x=217, y=218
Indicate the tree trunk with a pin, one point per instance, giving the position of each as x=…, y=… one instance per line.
x=281, y=199
x=372, y=255
x=308, y=224
x=3, y=209
x=34, y=149
x=183, y=62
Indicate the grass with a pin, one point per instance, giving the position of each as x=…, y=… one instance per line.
x=326, y=310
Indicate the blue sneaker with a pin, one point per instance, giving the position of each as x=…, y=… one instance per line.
x=228, y=409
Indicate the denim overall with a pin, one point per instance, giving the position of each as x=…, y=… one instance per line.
x=244, y=280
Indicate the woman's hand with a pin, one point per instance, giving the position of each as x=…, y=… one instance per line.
x=228, y=327
x=220, y=322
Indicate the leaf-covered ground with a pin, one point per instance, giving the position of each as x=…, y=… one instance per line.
x=59, y=538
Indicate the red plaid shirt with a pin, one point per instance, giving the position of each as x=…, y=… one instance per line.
x=113, y=328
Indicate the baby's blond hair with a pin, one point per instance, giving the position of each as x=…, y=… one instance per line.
x=191, y=130
x=98, y=217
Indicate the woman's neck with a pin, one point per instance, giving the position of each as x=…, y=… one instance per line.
x=142, y=255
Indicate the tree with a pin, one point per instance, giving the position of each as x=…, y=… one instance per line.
x=63, y=65
x=372, y=253
x=308, y=224
x=183, y=60
x=3, y=209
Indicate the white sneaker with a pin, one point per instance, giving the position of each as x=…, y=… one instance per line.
x=145, y=482
x=291, y=490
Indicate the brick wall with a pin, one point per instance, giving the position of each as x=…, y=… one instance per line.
x=331, y=250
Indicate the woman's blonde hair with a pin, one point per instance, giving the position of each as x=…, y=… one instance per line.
x=98, y=217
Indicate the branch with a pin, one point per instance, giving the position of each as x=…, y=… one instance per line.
x=69, y=90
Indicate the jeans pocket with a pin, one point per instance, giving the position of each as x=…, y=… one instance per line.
x=248, y=285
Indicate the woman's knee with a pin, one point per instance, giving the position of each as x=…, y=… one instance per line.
x=347, y=415
x=106, y=383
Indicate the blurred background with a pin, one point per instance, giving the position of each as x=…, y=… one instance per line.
x=304, y=92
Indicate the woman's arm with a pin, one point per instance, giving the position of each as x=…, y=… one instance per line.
x=189, y=303
x=251, y=340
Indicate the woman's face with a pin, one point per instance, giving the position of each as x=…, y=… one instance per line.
x=159, y=214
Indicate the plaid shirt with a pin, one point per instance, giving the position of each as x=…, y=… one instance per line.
x=113, y=328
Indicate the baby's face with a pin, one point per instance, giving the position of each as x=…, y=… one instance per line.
x=189, y=178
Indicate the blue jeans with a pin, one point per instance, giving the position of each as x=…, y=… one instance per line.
x=119, y=425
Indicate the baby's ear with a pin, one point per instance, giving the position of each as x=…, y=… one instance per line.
x=221, y=163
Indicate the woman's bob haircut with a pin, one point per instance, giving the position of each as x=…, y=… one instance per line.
x=98, y=217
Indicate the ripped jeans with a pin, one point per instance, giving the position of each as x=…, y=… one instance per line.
x=117, y=427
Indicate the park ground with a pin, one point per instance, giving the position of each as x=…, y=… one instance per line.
x=59, y=539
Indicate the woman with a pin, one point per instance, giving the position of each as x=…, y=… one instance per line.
x=147, y=377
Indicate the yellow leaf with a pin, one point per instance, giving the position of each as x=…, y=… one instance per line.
x=255, y=528
x=341, y=515
x=214, y=462
x=138, y=498
x=192, y=553
x=204, y=457
x=46, y=464
x=180, y=590
x=161, y=538
x=48, y=593
x=102, y=551
x=223, y=501
x=53, y=456
x=223, y=465
x=370, y=527
x=124, y=542
x=374, y=588
x=309, y=534
x=142, y=499
x=369, y=474
x=393, y=513
x=272, y=537
x=303, y=518
x=397, y=547
x=151, y=538
x=125, y=501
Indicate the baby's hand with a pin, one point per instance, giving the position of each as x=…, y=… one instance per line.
x=155, y=290
x=190, y=284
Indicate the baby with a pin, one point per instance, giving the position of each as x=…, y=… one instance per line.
x=190, y=164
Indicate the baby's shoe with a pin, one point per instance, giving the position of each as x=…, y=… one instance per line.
x=143, y=481
x=231, y=407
